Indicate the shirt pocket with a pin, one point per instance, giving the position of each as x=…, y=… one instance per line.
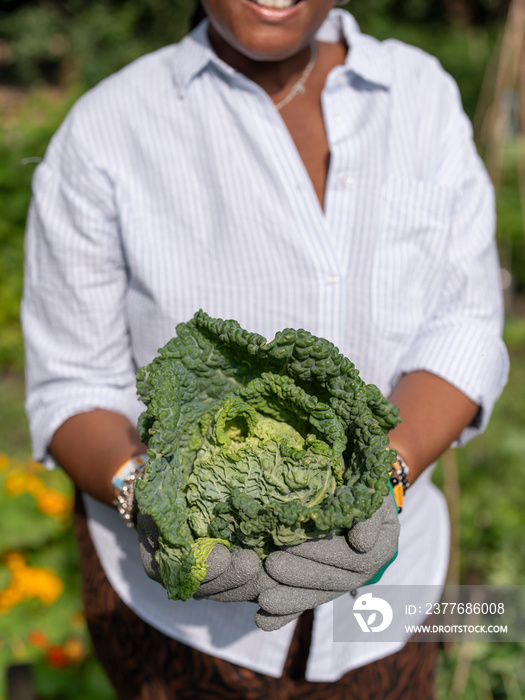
x=409, y=266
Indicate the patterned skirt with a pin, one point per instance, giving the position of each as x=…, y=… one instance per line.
x=144, y=664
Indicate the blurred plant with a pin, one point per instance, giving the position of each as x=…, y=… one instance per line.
x=492, y=545
x=500, y=132
x=492, y=548
x=28, y=582
x=53, y=42
x=24, y=136
x=33, y=44
x=41, y=618
x=482, y=671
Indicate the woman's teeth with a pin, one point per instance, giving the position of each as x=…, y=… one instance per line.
x=281, y=4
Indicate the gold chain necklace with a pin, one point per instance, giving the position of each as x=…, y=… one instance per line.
x=299, y=86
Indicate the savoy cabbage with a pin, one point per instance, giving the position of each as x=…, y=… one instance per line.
x=255, y=444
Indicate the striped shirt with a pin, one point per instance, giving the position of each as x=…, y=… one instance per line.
x=174, y=185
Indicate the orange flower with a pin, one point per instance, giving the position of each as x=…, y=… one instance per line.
x=54, y=504
x=74, y=649
x=37, y=639
x=56, y=656
x=28, y=582
x=49, y=501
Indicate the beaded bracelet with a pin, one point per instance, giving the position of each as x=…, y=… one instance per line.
x=123, y=481
x=399, y=480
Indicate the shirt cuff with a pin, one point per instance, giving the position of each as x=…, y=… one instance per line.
x=469, y=358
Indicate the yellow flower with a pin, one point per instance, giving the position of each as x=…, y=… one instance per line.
x=49, y=501
x=54, y=503
x=28, y=582
x=15, y=484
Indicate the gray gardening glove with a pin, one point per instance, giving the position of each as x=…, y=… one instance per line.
x=231, y=577
x=320, y=570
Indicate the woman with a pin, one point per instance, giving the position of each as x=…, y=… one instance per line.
x=280, y=168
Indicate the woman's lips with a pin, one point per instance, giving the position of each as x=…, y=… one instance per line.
x=275, y=9
x=275, y=4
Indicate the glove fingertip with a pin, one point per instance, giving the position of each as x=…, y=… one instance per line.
x=246, y=592
x=361, y=539
x=269, y=623
x=217, y=562
x=246, y=561
x=264, y=582
x=364, y=535
x=277, y=561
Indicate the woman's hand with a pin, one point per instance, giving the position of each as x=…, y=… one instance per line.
x=233, y=577
x=320, y=570
x=230, y=578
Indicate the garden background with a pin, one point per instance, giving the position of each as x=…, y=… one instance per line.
x=50, y=53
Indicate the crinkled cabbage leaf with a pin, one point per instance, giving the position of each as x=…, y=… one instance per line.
x=255, y=444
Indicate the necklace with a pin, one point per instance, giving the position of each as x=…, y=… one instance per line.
x=299, y=86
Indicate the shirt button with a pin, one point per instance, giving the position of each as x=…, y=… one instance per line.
x=332, y=279
x=346, y=180
x=338, y=118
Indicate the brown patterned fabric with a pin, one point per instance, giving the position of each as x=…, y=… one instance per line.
x=144, y=664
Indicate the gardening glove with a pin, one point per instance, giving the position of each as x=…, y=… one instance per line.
x=319, y=570
x=230, y=577
x=233, y=577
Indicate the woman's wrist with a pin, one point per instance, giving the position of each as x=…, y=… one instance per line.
x=91, y=447
x=400, y=480
x=123, y=483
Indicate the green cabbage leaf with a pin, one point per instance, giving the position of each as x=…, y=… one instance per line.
x=255, y=444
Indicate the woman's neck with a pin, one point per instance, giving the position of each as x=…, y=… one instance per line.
x=275, y=77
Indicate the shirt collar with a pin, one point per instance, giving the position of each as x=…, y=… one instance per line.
x=192, y=55
x=367, y=57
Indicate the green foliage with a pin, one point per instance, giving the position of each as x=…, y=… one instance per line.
x=492, y=522
x=482, y=671
x=462, y=13
x=257, y=443
x=41, y=621
x=511, y=213
x=35, y=40
x=492, y=533
x=51, y=41
x=23, y=142
x=82, y=681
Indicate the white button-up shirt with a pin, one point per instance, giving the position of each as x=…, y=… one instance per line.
x=175, y=185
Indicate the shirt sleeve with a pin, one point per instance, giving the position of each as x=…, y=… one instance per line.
x=77, y=347
x=462, y=340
